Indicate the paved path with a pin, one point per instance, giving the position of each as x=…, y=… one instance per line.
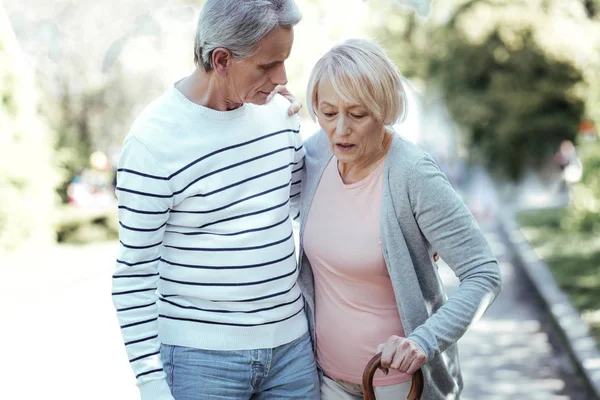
x=512, y=352
x=61, y=339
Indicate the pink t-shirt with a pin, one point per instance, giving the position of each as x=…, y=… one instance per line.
x=355, y=307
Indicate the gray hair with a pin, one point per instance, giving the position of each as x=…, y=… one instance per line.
x=238, y=26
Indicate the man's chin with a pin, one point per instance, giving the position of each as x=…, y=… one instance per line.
x=260, y=98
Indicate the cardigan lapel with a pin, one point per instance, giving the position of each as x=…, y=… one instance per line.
x=315, y=163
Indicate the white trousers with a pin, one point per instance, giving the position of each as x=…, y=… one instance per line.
x=334, y=389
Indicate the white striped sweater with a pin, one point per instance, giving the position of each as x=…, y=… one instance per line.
x=207, y=256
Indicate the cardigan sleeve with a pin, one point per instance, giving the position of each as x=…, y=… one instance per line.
x=451, y=230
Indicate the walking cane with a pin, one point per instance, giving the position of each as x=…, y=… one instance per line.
x=416, y=390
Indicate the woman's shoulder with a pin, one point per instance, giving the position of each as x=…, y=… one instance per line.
x=317, y=145
x=405, y=155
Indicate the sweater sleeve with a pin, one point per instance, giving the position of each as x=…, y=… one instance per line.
x=144, y=201
x=297, y=174
x=449, y=227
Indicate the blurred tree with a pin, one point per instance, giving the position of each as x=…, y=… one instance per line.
x=27, y=173
x=517, y=104
x=515, y=74
x=94, y=116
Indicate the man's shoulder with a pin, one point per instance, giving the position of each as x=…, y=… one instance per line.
x=277, y=111
x=159, y=120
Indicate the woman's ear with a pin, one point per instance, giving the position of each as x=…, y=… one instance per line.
x=222, y=59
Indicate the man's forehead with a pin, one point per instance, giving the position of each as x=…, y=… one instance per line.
x=276, y=46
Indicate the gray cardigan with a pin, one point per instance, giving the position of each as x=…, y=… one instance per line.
x=420, y=214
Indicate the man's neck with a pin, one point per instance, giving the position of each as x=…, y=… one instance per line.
x=205, y=89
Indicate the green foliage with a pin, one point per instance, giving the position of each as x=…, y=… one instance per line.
x=27, y=175
x=512, y=80
x=517, y=105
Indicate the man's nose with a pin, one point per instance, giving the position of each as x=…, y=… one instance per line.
x=279, y=76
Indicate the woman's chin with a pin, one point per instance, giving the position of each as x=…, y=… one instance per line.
x=343, y=157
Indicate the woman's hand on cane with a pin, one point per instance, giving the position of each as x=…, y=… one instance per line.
x=401, y=354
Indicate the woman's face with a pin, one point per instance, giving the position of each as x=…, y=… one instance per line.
x=355, y=136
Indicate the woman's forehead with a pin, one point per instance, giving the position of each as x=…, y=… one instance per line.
x=328, y=95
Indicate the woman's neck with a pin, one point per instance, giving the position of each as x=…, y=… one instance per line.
x=359, y=170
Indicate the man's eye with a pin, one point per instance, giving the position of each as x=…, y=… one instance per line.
x=358, y=116
x=328, y=114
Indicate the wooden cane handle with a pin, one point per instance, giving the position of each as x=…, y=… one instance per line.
x=416, y=390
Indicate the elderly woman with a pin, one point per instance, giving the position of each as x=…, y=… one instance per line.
x=375, y=209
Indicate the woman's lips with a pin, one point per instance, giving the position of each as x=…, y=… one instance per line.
x=344, y=147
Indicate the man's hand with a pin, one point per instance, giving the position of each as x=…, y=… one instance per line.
x=401, y=354
x=282, y=90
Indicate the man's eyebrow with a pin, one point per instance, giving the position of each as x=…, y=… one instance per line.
x=272, y=63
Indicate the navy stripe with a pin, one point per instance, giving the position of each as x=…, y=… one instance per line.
x=144, y=356
x=231, y=311
x=294, y=195
x=297, y=182
x=135, y=307
x=230, y=148
x=139, y=247
x=243, y=181
x=245, y=215
x=148, y=372
x=234, y=233
x=134, y=276
x=231, y=266
x=231, y=284
x=235, y=202
x=262, y=246
x=131, y=171
x=133, y=291
x=137, y=263
x=144, y=212
x=231, y=324
x=161, y=196
x=232, y=166
x=138, y=323
x=141, y=229
x=297, y=170
x=141, y=340
x=269, y=296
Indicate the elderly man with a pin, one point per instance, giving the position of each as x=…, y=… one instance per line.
x=205, y=283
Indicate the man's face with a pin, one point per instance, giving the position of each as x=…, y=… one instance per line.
x=252, y=79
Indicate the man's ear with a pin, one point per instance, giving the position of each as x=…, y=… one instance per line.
x=222, y=59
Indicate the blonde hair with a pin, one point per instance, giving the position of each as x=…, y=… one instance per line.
x=361, y=73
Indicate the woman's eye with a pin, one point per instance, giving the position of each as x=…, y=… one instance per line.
x=358, y=116
x=328, y=114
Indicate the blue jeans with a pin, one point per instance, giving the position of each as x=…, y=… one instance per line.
x=285, y=372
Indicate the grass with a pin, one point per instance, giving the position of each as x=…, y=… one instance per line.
x=573, y=257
